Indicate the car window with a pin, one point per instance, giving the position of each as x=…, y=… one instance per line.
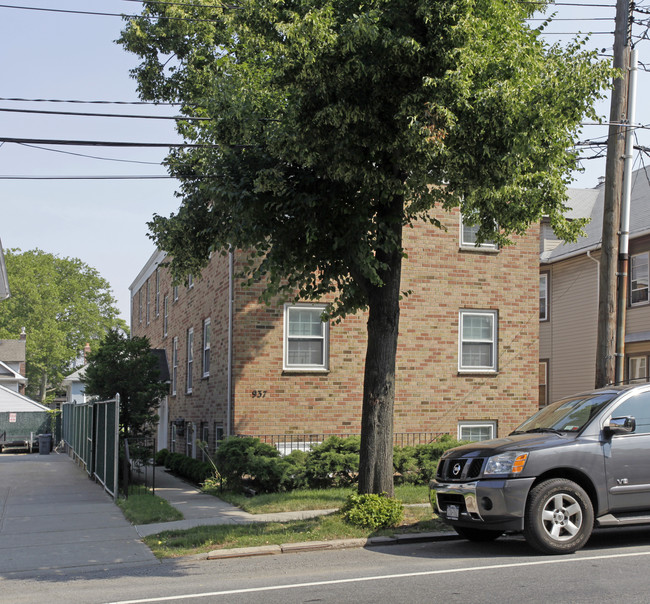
x=638, y=407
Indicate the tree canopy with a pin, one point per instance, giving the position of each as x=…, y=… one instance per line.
x=334, y=124
x=126, y=366
x=63, y=304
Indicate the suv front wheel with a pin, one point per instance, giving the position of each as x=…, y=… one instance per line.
x=559, y=517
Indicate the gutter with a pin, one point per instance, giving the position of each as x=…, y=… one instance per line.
x=231, y=296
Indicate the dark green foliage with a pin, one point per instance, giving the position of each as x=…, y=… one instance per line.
x=161, y=457
x=417, y=465
x=334, y=463
x=126, y=366
x=373, y=511
x=192, y=469
x=237, y=458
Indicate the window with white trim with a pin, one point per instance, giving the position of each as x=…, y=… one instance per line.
x=190, y=281
x=206, y=348
x=306, y=338
x=174, y=365
x=639, y=276
x=175, y=293
x=148, y=304
x=477, y=345
x=190, y=359
x=477, y=430
x=157, y=303
x=543, y=297
x=469, y=237
x=165, y=315
x=637, y=367
x=140, y=305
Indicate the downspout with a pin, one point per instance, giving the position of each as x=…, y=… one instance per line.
x=231, y=295
x=624, y=238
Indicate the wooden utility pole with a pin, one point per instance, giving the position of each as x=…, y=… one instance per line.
x=607, y=295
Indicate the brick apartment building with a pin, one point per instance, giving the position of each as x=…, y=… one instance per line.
x=467, y=358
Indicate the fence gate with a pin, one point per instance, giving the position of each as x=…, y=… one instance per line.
x=91, y=436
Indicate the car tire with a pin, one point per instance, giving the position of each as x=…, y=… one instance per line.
x=559, y=517
x=477, y=534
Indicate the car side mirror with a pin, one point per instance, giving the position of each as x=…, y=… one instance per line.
x=620, y=425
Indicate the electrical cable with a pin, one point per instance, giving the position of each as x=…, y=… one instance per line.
x=76, y=114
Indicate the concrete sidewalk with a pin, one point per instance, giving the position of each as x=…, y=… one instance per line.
x=53, y=517
x=200, y=509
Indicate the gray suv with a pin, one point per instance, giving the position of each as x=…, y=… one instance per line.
x=581, y=462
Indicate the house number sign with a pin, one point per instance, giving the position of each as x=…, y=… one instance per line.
x=258, y=394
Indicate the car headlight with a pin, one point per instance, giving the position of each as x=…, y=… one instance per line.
x=512, y=462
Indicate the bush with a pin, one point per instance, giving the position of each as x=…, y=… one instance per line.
x=417, y=465
x=334, y=463
x=373, y=511
x=243, y=458
x=192, y=469
x=161, y=457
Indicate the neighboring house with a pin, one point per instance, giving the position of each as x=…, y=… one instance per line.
x=21, y=419
x=569, y=295
x=4, y=281
x=74, y=387
x=466, y=365
x=12, y=364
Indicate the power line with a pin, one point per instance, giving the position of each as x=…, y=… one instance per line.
x=81, y=143
x=126, y=161
x=86, y=114
x=24, y=100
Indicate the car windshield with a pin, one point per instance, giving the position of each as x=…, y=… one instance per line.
x=566, y=415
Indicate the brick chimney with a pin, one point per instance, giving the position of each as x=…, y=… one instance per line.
x=86, y=352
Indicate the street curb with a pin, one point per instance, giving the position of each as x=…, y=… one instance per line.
x=312, y=546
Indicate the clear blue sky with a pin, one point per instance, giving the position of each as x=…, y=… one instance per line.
x=103, y=222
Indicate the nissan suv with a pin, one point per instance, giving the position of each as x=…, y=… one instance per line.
x=580, y=462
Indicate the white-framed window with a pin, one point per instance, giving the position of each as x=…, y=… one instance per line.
x=468, y=237
x=148, y=304
x=140, y=306
x=477, y=430
x=543, y=383
x=172, y=440
x=165, y=315
x=637, y=368
x=219, y=434
x=306, y=338
x=206, y=348
x=477, y=342
x=175, y=293
x=157, y=302
x=543, y=297
x=190, y=281
x=190, y=359
x=174, y=365
x=639, y=276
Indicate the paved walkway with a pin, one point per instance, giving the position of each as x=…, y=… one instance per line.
x=52, y=517
x=200, y=509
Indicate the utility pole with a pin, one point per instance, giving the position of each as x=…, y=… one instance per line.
x=607, y=295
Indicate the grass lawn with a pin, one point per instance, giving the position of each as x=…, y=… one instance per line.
x=171, y=544
x=141, y=507
x=313, y=499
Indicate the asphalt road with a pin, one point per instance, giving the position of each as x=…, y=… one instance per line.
x=611, y=568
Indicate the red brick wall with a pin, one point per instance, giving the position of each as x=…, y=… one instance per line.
x=431, y=395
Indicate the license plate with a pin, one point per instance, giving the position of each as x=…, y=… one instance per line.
x=452, y=512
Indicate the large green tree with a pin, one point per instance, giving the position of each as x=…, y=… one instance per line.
x=336, y=123
x=126, y=366
x=63, y=304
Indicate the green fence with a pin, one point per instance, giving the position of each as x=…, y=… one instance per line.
x=90, y=433
x=23, y=426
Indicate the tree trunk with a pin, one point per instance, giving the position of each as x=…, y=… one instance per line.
x=376, y=453
x=42, y=389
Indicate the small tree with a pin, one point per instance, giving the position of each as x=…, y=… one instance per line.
x=126, y=366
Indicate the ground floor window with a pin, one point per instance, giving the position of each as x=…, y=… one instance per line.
x=637, y=368
x=477, y=430
x=543, y=383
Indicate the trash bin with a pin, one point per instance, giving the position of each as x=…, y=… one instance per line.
x=44, y=444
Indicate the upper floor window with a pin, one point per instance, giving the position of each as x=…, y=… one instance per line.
x=206, y=348
x=157, y=301
x=165, y=315
x=306, y=337
x=174, y=365
x=175, y=293
x=190, y=281
x=477, y=341
x=140, y=305
x=148, y=303
x=190, y=358
x=639, y=279
x=543, y=297
x=637, y=369
x=469, y=237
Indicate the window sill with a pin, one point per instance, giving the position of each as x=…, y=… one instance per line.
x=298, y=370
x=473, y=249
x=481, y=372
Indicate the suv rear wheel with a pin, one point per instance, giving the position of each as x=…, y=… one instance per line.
x=559, y=517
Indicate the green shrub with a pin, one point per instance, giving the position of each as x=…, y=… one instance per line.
x=373, y=511
x=427, y=456
x=296, y=477
x=240, y=458
x=161, y=457
x=334, y=463
x=194, y=470
x=405, y=465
